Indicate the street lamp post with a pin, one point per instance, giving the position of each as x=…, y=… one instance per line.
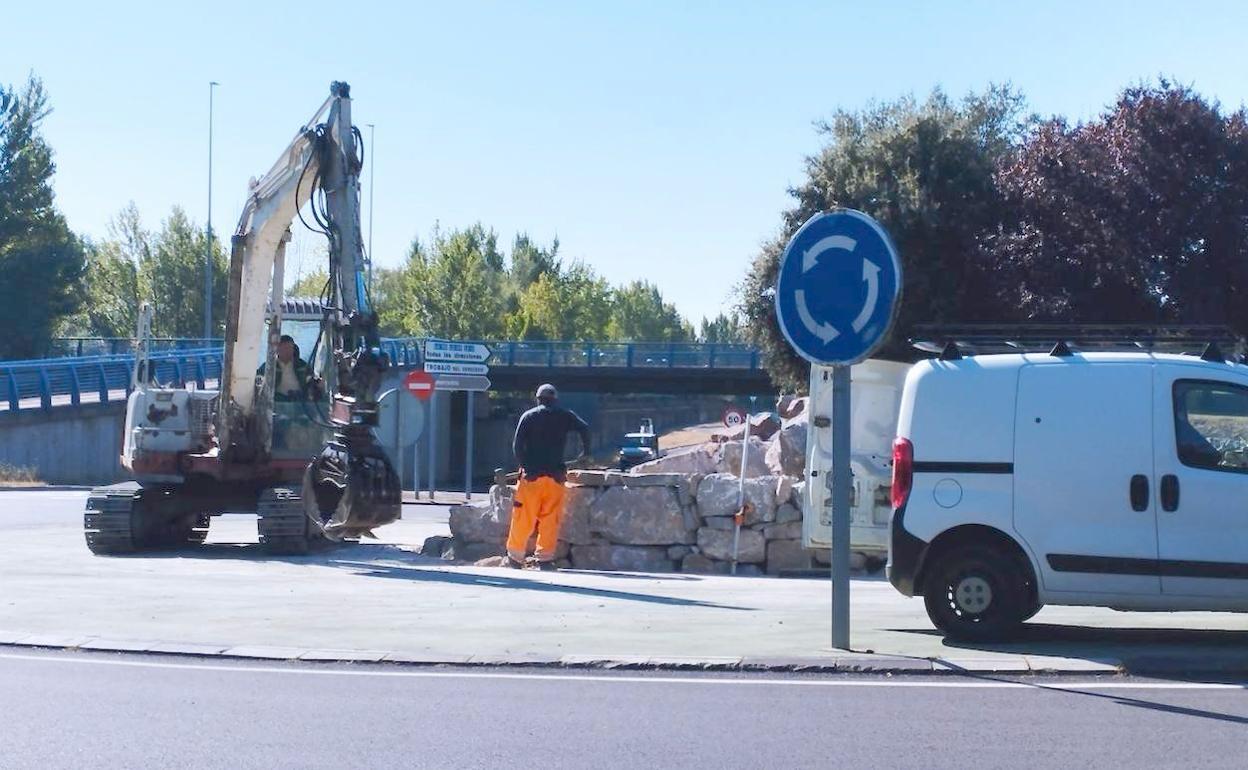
x=372, y=163
x=208, y=248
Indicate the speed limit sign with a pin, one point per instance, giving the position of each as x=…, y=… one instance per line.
x=734, y=417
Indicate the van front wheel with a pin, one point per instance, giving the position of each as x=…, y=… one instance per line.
x=975, y=593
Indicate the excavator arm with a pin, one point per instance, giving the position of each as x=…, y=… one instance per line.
x=350, y=487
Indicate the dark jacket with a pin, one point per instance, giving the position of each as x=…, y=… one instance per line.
x=541, y=437
x=302, y=372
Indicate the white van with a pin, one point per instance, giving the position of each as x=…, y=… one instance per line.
x=1102, y=479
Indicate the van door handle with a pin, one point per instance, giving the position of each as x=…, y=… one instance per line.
x=1170, y=493
x=1139, y=492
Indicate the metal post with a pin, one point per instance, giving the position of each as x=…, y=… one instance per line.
x=736, y=530
x=840, y=481
x=416, y=463
x=399, y=409
x=208, y=248
x=468, y=451
x=433, y=432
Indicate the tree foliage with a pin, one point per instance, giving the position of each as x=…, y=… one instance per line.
x=462, y=286
x=926, y=171
x=41, y=261
x=1138, y=216
x=639, y=312
x=173, y=278
x=723, y=329
x=454, y=287
x=572, y=304
x=165, y=267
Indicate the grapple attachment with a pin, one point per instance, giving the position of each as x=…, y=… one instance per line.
x=350, y=488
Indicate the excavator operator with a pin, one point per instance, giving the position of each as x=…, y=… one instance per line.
x=294, y=379
x=538, y=445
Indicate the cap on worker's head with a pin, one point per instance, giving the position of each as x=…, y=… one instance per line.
x=286, y=338
x=547, y=392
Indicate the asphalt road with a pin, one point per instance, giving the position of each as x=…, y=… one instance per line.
x=383, y=596
x=85, y=710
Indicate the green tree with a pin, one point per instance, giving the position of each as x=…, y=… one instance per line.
x=926, y=172
x=723, y=329
x=639, y=314
x=112, y=283
x=310, y=285
x=112, y=291
x=529, y=261
x=171, y=271
x=574, y=304
x=41, y=261
x=388, y=300
x=453, y=288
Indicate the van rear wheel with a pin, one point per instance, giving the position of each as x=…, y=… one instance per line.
x=975, y=593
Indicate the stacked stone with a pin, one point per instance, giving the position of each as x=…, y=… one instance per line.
x=672, y=514
x=655, y=522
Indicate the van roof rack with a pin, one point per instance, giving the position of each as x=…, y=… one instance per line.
x=951, y=342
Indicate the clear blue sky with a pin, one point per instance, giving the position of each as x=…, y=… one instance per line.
x=655, y=139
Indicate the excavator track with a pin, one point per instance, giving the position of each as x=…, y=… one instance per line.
x=116, y=521
x=284, y=526
x=109, y=518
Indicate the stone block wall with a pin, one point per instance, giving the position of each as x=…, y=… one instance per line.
x=650, y=522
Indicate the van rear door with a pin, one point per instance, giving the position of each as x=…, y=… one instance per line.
x=1083, y=466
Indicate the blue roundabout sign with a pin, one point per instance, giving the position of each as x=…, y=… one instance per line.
x=838, y=288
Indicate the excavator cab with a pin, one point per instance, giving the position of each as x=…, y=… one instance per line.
x=300, y=422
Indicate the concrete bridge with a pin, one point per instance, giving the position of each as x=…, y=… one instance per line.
x=63, y=416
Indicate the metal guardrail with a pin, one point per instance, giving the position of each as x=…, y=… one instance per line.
x=47, y=378
x=629, y=355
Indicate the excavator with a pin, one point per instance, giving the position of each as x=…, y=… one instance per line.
x=309, y=466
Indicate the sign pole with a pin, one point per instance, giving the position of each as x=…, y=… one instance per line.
x=416, y=463
x=738, y=520
x=840, y=482
x=433, y=433
x=398, y=438
x=468, y=450
x=837, y=292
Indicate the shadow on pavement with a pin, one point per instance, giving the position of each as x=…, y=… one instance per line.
x=254, y=552
x=631, y=575
x=1153, y=651
x=1151, y=705
x=505, y=580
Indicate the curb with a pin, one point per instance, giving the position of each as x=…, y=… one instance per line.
x=847, y=663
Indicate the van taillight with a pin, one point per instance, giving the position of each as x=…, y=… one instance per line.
x=903, y=471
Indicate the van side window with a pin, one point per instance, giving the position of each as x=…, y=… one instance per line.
x=1211, y=425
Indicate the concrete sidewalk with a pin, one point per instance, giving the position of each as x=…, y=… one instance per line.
x=382, y=601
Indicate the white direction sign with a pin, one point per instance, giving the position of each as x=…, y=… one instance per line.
x=451, y=367
x=462, y=382
x=445, y=350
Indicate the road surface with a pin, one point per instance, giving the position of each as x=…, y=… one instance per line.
x=382, y=597
x=84, y=710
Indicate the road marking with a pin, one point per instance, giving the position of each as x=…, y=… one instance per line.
x=634, y=679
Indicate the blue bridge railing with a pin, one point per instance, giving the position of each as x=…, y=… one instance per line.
x=101, y=376
x=683, y=355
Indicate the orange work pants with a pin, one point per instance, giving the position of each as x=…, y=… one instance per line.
x=538, y=504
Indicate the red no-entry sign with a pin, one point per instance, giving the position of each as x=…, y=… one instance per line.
x=419, y=384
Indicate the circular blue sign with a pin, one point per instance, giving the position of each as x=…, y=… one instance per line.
x=838, y=288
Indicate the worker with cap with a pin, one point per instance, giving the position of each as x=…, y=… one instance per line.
x=539, y=443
